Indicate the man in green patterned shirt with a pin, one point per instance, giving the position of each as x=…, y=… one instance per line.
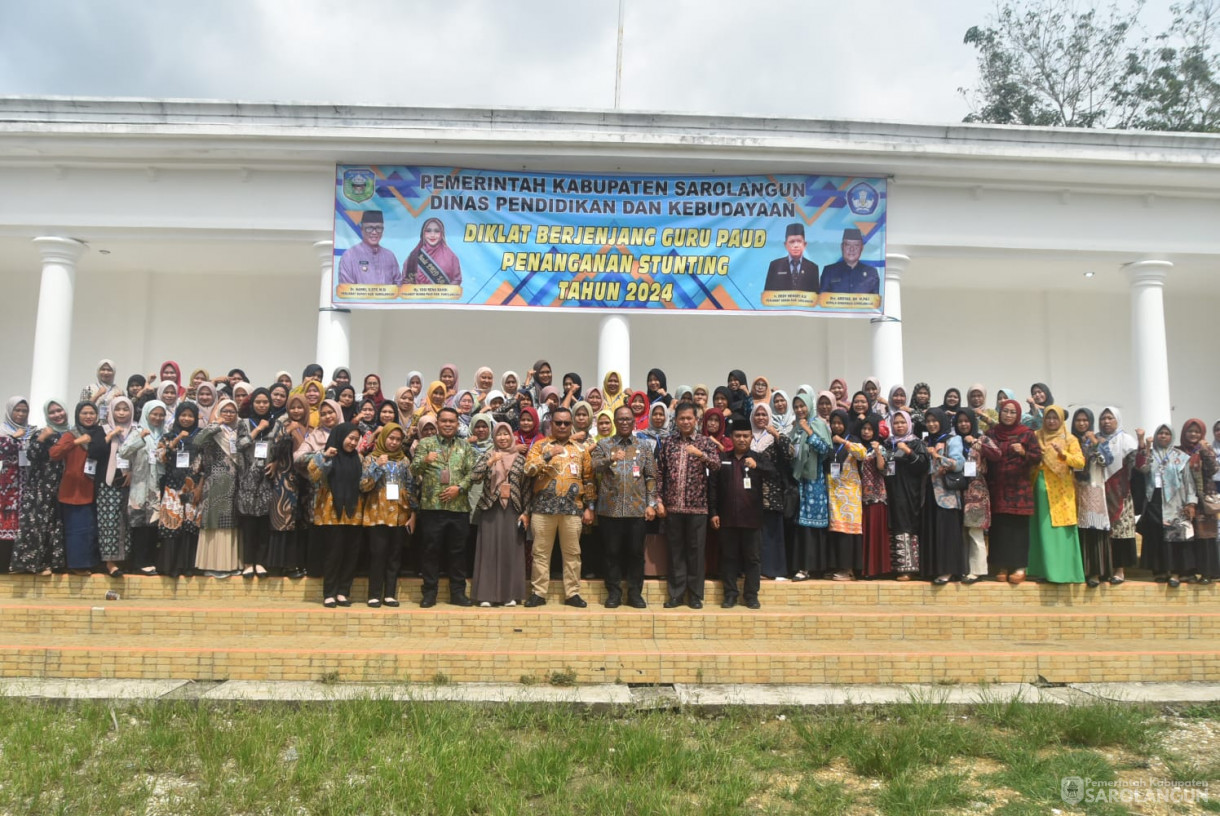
x=442, y=467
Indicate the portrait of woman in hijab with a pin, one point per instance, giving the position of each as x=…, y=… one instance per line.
x=432, y=261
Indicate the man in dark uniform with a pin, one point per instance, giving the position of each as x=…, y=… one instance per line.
x=849, y=275
x=793, y=271
x=737, y=512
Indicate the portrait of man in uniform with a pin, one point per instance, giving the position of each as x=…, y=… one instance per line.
x=368, y=261
x=849, y=275
x=793, y=272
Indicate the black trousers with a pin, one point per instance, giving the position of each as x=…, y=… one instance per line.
x=254, y=533
x=623, y=542
x=740, y=550
x=342, y=549
x=443, y=530
x=686, y=535
x=385, y=557
x=143, y=547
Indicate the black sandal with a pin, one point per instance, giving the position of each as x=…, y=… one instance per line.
x=329, y=603
x=115, y=573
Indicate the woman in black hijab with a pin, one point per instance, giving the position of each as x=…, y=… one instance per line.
x=336, y=471
x=658, y=388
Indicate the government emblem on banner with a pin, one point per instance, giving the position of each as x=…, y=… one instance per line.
x=358, y=185
x=862, y=199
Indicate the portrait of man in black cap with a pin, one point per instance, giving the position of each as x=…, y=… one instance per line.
x=793, y=271
x=368, y=261
x=849, y=275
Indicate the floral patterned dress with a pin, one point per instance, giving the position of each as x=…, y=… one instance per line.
x=40, y=538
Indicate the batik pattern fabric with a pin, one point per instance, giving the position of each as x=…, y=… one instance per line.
x=1092, y=512
x=12, y=479
x=976, y=498
x=814, y=510
x=40, y=539
x=845, y=493
x=220, y=465
x=113, y=533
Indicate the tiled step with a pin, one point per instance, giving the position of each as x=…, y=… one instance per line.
x=224, y=656
x=294, y=620
x=774, y=594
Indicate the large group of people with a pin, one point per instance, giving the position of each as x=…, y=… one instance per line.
x=325, y=477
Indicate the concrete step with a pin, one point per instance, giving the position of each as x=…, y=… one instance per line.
x=261, y=617
x=774, y=594
x=222, y=655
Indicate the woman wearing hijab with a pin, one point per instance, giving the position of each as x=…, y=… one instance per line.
x=199, y=375
x=1054, y=545
x=389, y=516
x=340, y=377
x=434, y=400
x=538, y=378
x=464, y=405
x=1167, y=523
x=605, y=425
x=499, y=569
x=14, y=437
x=206, y=397
x=404, y=400
x=906, y=471
x=285, y=379
x=480, y=433
x=875, y=527
x=110, y=499
x=172, y=372
x=657, y=428
x=415, y=381
x=329, y=417
x=1012, y=452
x=638, y=403
x=781, y=412
x=484, y=382
x=844, y=542
x=1039, y=397
x=572, y=385
x=721, y=398
x=976, y=500
x=103, y=389
x=595, y=399
x=1203, y=469
x=1092, y=516
x=432, y=262
x=838, y=387
x=951, y=403
x=897, y=401
x=920, y=402
x=39, y=547
x=142, y=451
x=1118, y=450
x=872, y=390
x=314, y=397
x=510, y=383
x=372, y=390
x=168, y=395
x=336, y=472
x=943, y=551
x=658, y=387
x=254, y=489
x=346, y=397
x=85, y=453
x=713, y=427
x=221, y=446
x=767, y=443
x=278, y=394
x=976, y=400
x=530, y=430
x=739, y=394
x=614, y=391
x=287, y=514
x=811, y=449
x=178, y=516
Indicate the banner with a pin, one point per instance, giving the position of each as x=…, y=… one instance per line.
x=449, y=237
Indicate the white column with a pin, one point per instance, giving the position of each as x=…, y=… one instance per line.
x=53, y=325
x=613, y=348
x=1149, y=351
x=887, y=329
x=334, y=324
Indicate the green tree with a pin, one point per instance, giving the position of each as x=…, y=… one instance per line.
x=1062, y=63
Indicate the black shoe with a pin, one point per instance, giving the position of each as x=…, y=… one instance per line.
x=295, y=574
x=390, y=602
x=345, y=602
x=576, y=601
x=374, y=603
x=696, y=604
x=428, y=602
x=672, y=604
x=637, y=602
x=940, y=581
x=1174, y=583
x=754, y=604
x=1093, y=583
x=535, y=600
x=1115, y=581
x=728, y=603
x=329, y=603
x=970, y=579
x=1204, y=581
x=115, y=573
x=460, y=600
x=614, y=602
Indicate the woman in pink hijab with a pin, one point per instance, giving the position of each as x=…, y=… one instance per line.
x=432, y=261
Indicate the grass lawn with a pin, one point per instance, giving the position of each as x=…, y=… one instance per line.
x=382, y=757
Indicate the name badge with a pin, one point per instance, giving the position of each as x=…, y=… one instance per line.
x=90, y=467
x=391, y=491
x=232, y=446
x=23, y=460
x=120, y=463
x=444, y=476
x=260, y=450
x=835, y=470
x=891, y=469
x=152, y=455
x=573, y=469
x=635, y=471
x=183, y=459
x=1156, y=481
x=746, y=482
x=971, y=469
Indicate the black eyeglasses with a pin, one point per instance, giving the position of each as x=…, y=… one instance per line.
x=560, y=424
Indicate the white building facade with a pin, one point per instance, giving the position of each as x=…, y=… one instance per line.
x=200, y=232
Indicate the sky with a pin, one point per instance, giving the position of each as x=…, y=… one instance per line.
x=803, y=58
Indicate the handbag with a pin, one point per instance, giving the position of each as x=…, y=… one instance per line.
x=1211, y=504
x=956, y=480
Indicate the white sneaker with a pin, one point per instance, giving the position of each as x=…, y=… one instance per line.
x=485, y=604
x=511, y=603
